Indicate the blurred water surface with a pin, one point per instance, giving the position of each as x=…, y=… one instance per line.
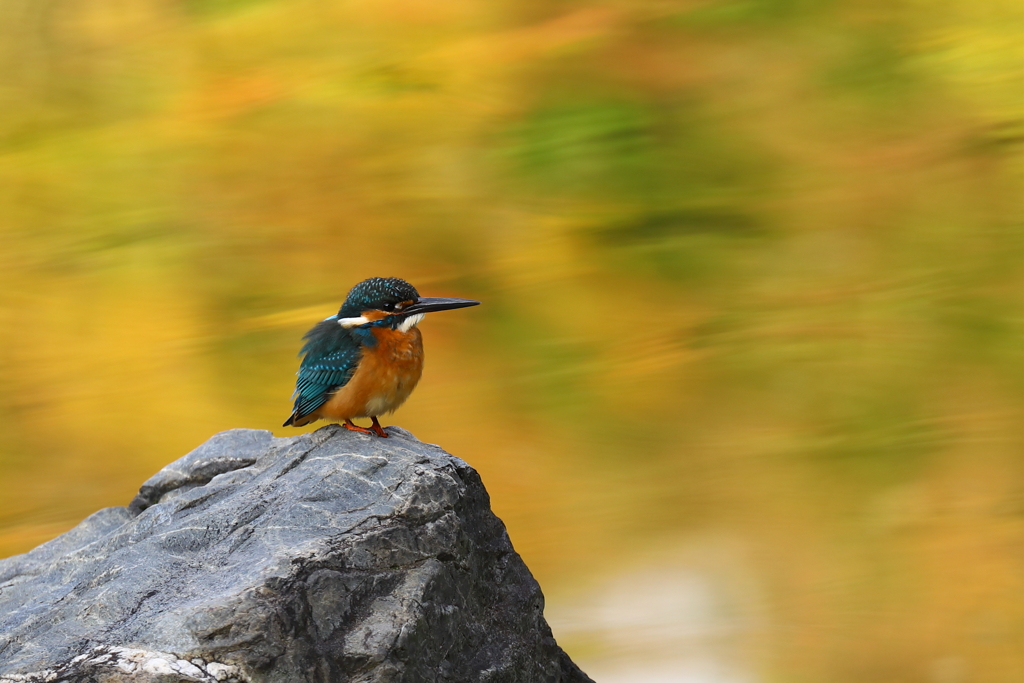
x=746, y=386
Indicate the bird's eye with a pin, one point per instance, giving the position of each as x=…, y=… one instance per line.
x=388, y=307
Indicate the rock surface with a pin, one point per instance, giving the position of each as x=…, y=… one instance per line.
x=330, y=556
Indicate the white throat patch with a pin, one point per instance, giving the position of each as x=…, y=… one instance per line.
x=410, y=322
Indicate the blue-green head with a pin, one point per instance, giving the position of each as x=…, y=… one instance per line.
x=391, y=302
x=386, y=294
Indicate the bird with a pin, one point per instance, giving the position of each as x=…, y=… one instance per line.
x=365, y=360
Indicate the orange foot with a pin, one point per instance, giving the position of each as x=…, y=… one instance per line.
x=375, y=428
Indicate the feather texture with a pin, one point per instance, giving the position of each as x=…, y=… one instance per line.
x=330, y=357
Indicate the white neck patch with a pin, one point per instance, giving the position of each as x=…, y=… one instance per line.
x=410, y=322
x=352, y=322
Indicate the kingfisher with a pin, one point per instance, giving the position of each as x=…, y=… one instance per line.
x=365, y=360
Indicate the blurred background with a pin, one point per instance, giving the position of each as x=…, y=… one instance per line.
x=746, y=386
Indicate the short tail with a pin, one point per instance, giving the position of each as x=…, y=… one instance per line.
x=296, y=420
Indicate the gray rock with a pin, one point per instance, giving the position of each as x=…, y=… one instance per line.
x=331, y=556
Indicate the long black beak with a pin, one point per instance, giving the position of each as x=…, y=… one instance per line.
x=427, y=304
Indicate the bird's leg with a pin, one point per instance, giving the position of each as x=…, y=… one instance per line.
x=375, y=428
x=356, y=428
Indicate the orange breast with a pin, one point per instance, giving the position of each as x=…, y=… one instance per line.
x=387, y=374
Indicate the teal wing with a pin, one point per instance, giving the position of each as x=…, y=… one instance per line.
x=330, y=357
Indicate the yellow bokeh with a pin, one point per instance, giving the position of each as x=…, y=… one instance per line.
x=745, y=385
